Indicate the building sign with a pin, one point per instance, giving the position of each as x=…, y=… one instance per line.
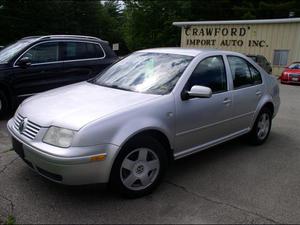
x=206, y=36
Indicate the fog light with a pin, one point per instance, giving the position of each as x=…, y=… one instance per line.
x=98, y=157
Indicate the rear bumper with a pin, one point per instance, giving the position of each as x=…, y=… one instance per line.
x=67, y=170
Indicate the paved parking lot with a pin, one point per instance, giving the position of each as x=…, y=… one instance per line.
x=232, y=183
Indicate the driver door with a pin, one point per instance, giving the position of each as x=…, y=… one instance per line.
x=204, y=121
x=44, y=73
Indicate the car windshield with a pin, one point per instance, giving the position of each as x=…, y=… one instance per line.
x=10, y=51
x=295, y=66
x=145, y=72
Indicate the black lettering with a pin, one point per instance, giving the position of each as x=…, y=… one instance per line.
x=201, y=32
x=224, y=43
x=262, y=44
x=209, y=31
x=233, y=42
x=242, y=31
x=198, y=42
x=249, y=43
x=187, y=31
x=233, y=31
x=192, y=42
x=225, y=31
x=240, y=43
x=217, y=31
x=213, y=42
x=195, y=31
x=255, y=43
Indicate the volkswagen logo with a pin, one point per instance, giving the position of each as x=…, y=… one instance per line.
x=23, y=125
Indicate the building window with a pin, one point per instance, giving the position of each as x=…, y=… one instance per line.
x=280, y=57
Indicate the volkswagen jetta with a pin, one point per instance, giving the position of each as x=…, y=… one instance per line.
x=156, y=105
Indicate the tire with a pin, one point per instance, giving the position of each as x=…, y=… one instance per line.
x=3, y=104
x=261, y=128
x=139, y=167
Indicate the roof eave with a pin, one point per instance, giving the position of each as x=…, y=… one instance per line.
x=224, y=22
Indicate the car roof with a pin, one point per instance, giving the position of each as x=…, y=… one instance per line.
x=62, y=37
x=187, y=51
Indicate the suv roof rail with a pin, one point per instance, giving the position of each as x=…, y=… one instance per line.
x=66, y=36
x=71, y=36
x=29, y=37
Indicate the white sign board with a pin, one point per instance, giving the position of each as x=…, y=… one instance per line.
x=115, y=46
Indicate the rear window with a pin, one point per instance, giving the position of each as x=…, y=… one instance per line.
x=82, y=50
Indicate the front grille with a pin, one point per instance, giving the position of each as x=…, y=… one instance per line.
x=294, y=75
x=26, y=127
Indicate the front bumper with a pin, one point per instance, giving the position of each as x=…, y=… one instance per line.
x=75, y=170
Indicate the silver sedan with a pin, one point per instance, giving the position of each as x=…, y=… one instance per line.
x=156, y=105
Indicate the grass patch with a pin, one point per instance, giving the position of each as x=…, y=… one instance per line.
x=10, y=220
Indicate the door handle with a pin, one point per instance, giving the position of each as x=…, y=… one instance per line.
x=227, y=101
x=258, y=93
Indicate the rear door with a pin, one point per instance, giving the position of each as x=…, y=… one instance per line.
x=247, y=91
x=82, y=60
x=44, y=72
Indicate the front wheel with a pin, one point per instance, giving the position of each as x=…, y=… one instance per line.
x=139, y=167
x=261, y=128
x=3, y=105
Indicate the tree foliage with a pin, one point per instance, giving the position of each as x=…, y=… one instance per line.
x=135, y=24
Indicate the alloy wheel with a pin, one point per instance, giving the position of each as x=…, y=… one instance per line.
x=263, y=126
x=139, y=169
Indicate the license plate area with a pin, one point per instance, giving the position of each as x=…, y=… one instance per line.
x=18, y=147
x=295, y=79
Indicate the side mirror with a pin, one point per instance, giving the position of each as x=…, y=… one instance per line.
x=197, y=92
x=24, y=62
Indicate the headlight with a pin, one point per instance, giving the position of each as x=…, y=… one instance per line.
x=59, y=137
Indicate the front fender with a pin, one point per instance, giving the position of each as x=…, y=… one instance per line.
x=116, y=129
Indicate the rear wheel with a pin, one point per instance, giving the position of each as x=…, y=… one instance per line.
x=139, y=167
x=262, y=127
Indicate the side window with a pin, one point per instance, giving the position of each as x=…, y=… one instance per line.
x=240, y=71
x=243, y=73
x=94, y=50
x=210, y=73
x=43, y=53
x=256, y=77
x=82, y=50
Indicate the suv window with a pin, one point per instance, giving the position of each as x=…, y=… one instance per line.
x=243, y=73
x=211, y=73
x=43, y=53
x=82, y=50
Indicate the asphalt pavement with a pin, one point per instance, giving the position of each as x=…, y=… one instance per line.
x=231, y=183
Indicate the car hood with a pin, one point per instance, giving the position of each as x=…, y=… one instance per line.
x=76, y=105
x=292, y=71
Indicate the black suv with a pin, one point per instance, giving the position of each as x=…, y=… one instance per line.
x=262, y=61
x=36, y=64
